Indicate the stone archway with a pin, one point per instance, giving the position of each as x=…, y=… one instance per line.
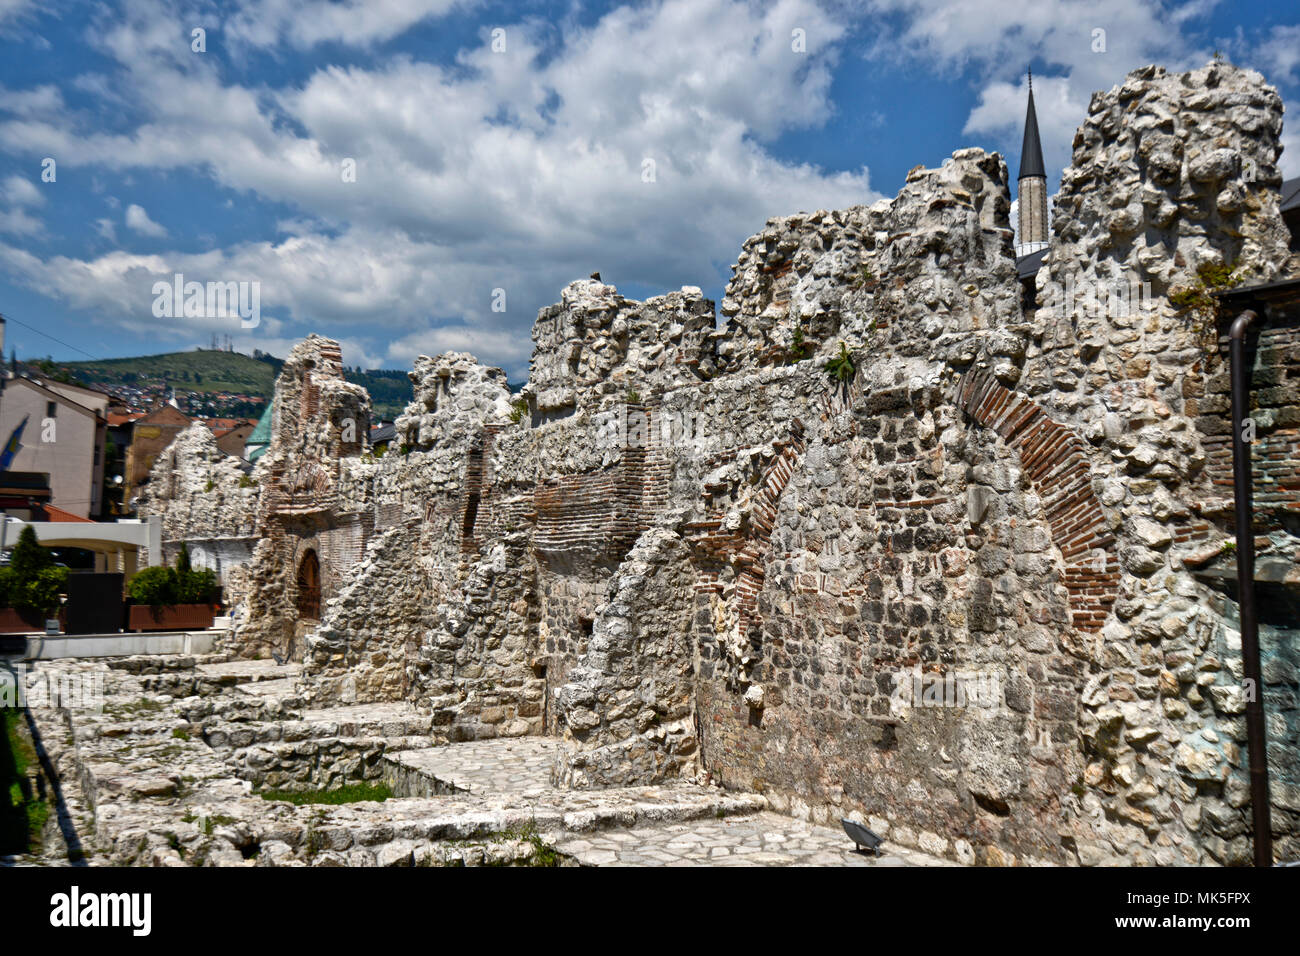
x=309, y=586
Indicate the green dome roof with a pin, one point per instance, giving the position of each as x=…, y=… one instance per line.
x=260, y=439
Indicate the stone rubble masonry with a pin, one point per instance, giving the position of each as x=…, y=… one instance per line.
x=595, y=347
x=1171, y=173
x=689, y=553
x=195, y=489
x=454, y=395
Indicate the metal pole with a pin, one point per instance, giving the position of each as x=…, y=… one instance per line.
x=1256, y=741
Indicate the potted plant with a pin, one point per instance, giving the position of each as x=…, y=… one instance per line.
x=31, y=586
x=172, y=599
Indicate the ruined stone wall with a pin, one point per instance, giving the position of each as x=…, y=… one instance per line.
x=628, y=705
x=1007, y=504
x=320, y=421
x=886, y=543
x=596, y=347
x=207, y=502
x=833, y=555
x=808, y=282
x=199, y=491
x=370, y=630
x=1172, y=175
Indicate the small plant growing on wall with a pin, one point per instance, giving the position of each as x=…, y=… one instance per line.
x=800, y=348
x=841, y=368
x=518, y=409
x=866, y=279
x=1197, y=300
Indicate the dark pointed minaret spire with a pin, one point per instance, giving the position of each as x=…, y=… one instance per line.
x=1031, y=185
x=1031, y=151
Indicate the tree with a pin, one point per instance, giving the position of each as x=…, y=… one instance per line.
x=31, y=580
x=27, y=556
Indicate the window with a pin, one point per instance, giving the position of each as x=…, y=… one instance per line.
x=51, y=409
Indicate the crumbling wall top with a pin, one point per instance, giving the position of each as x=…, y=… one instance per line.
x=937, y=258
x=595, y=347
x=454, y=393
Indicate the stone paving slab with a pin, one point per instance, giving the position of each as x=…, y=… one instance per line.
x=280, y=687
x=502, y=765
x=249, y=671
x=760, y=839
x=362, y=713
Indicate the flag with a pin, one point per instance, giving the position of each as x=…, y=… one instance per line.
x=12, y=445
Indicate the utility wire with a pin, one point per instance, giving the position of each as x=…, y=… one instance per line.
x=66, y=345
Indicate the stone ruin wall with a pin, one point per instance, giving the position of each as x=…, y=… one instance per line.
x=688, y=551
x=206, y=501
x=1170, y=172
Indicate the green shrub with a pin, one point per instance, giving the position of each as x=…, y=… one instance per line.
x=155, y=587
x=27, y=556
x=163, y=587
x=42, y=592
x=196, y=587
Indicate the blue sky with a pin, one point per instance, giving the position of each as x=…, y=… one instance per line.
x=515, y=166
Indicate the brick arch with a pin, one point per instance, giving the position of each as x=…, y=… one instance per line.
x=714, y=546
x=308, y=580
x=1055, y=458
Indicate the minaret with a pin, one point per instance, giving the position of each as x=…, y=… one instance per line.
x=1031, y=187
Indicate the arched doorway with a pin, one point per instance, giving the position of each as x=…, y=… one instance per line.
x=309, y=587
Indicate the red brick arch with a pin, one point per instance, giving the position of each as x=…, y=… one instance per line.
x=1056, y=461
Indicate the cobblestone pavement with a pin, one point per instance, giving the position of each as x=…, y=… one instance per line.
x=761, y=839
x=520, y=768
x=503, y=765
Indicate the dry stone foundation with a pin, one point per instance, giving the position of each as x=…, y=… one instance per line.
x=890, y=537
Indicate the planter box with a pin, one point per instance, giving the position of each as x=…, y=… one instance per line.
x=14, y=621
x=176, y=617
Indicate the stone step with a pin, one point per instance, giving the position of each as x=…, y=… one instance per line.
x=237, y=734
x=499, y=765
